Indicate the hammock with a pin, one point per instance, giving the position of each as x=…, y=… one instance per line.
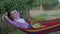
x=51, y=25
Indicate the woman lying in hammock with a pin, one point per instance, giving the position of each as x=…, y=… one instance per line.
x=14, y=19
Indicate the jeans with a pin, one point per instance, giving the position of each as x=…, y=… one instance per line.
x=29, y=26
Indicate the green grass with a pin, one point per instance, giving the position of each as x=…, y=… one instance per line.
x=39, y=18
x=18, y=32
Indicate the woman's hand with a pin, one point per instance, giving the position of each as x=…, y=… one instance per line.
x=5, y=15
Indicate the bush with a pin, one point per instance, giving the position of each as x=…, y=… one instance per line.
x=39, y=18
x=49, y=4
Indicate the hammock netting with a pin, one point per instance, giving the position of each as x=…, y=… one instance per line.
x=50, y=26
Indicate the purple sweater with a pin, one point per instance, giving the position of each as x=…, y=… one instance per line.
x=16, y=24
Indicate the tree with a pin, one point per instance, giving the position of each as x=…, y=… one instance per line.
x=23, y=6
x=49, y=4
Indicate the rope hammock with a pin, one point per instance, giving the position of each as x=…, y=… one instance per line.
x=51, y=25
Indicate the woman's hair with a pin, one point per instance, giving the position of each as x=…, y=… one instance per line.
x=9, y=15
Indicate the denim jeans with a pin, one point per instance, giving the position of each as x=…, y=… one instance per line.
x=29, y=26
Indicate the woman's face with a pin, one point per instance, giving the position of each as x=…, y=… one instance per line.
x=12, y=15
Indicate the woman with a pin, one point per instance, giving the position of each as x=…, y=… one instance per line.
x=14, y=19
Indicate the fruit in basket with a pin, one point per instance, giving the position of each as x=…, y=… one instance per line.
x=37, y=25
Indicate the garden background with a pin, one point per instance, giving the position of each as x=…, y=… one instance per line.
x=37, y=9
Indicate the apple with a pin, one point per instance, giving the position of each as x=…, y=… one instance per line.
x=37, y=25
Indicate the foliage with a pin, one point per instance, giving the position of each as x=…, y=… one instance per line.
x=18, y=32
x=49, y=4
x=40, y=18
x=7, y=5
x=6, y=27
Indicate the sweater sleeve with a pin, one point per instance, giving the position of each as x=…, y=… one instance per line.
x=11, y=22
x=16, y=24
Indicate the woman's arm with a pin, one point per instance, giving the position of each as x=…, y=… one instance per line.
x=11, y=22
x=16, y=24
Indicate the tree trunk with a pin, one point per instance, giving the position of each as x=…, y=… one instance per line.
x=28, y=13
x=24, y=13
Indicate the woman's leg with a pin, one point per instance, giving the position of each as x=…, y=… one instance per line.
x=29, y=26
